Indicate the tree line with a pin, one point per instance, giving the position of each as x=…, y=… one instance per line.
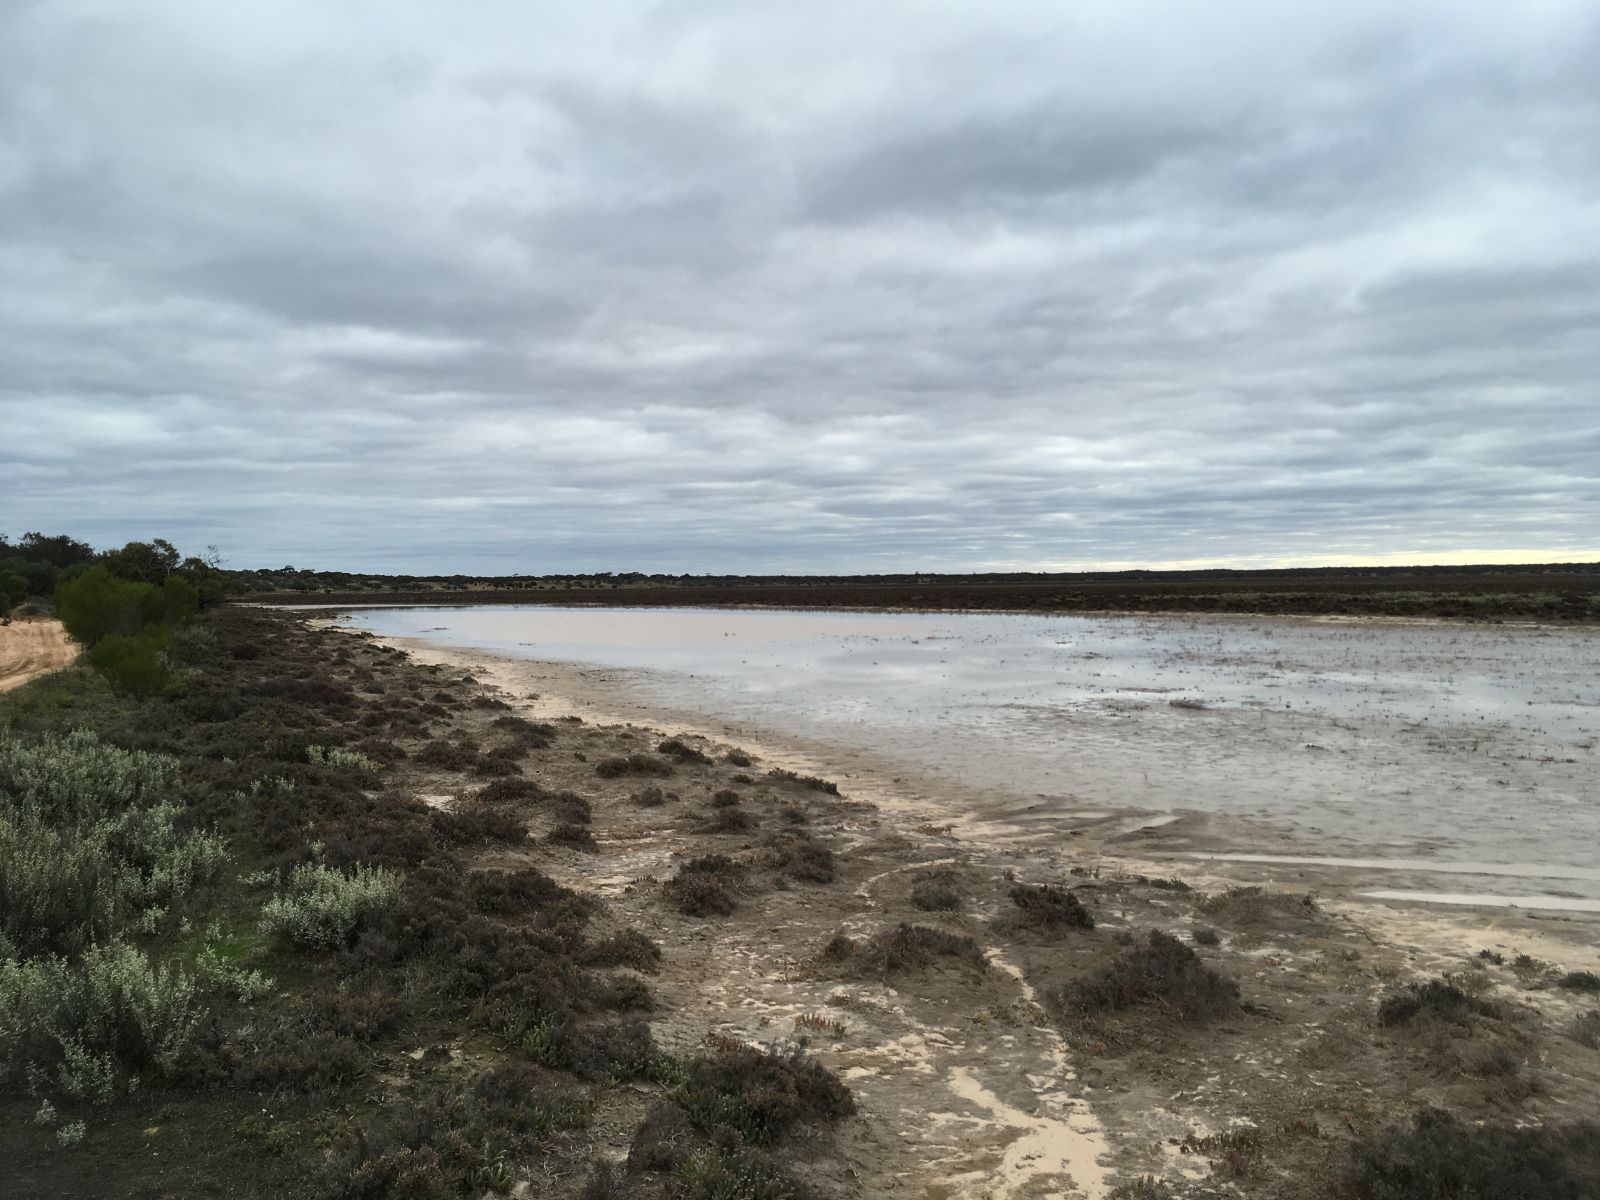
x=123, y=605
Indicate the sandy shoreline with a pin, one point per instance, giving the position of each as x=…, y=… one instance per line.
x=1204, y=849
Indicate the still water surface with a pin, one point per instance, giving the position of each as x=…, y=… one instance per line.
x=1475, y=744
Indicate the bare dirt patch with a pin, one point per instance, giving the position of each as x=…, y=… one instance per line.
x=30, y=647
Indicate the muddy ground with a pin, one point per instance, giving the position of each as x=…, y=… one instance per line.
x=983, y=1074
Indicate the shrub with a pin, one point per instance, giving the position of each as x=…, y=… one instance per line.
x=450, y=756
x=1047, y=906
x=1161, y=971
x=1585, y=1030
x=632, y=764
x=809, y=782
x=323, y=907
x=625, y=948
x=95, y=1026
x=724, y=798
x=1257, y=906
x=1580, y=981
x=344, y=760
x=932, y=896
x=738, y=758
x=576, y=836
x=649, y=797
x=1435, y=998
x=662, y=1141
x=85, y=843
x=705, y=886
x=729, y=820
x=507, y=791
x=97, y=604
x=799, y=857
x=133, y=666
x=1441, y=1158
x=682, y=751
x=740, y=1174
x=903, y=948
x=758, y=1096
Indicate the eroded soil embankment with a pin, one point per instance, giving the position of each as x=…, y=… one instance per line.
x=985, y=1058
x=30, y=648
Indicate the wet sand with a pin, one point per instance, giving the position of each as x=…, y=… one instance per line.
x=30, y=647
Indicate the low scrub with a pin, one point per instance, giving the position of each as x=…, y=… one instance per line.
x=1442, y=1158
x=903, y=948
x=1048, y=907
x=739, y=1093
x=322, y=908
x=88, y=842
x=706, y=886
x=95, y=1027
x=1161, y=971
x=1437, y=999
x=632, y=764
x=1248, y=906
x=681, y=751
x=798, y=856
x=809, y=782
x=932, y=896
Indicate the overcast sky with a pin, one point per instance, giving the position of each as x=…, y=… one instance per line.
x=824, y=286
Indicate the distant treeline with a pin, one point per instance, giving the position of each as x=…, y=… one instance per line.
x=1555, y=592
x=290, y=579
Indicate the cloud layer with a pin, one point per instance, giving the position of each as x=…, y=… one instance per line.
x=840, y=287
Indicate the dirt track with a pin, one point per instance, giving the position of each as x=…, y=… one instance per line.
x=30, y=648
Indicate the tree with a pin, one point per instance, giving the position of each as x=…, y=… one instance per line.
x=145, y=562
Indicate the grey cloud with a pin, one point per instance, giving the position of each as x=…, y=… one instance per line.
x=720, y=288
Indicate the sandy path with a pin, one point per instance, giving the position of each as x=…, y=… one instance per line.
x=30, y=648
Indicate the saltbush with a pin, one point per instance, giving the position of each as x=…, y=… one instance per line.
x=323, y=908
x=87, y=841
x=93, y=1027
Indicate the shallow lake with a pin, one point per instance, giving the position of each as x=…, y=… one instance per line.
x=1452, y=744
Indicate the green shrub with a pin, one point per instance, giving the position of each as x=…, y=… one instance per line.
x=133, y=666
x=77, y=778
x=323, y=908
x=93, y=1027
x=97, y=604
x=86, y=841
